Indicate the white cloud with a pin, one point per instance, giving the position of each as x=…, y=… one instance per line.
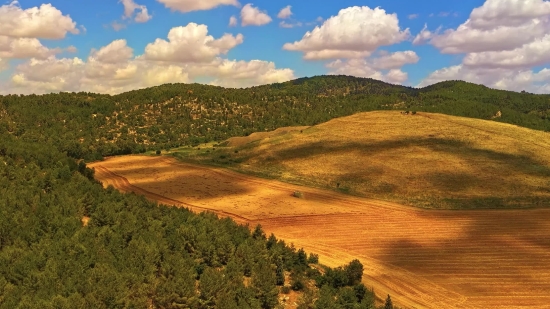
x=245, y=74
x=129, y=9
x=362, y=68
x=196, y=5
x=510, y=13
x=233, y=21
x=117, y=26
x=506, y=79
x=495, y=27
x=191, y=44
x=413, y=16
x=284, y=24
x=21, y=48
x=354, y=33
x=116, y=52
x=45, y=22
x=531, y=54
x=502, y=41
x=424, y=36
x=4, y=64
x=114, y=68
x=285, y=12
x=386, y=67
x=253, y=16
x=395, y=60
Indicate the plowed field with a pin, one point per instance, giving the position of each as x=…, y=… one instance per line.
x=423, y=258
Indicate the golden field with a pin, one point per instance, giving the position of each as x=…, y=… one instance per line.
x=427, y=160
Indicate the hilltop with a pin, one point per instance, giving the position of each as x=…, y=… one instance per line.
x=427, y=160
x=90, y=126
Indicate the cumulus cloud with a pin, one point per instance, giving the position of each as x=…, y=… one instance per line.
x=502, y=41
x=253, y=16
x=245, y=74
x=531, y=54
x=233, y=21
x=130, y=7
x=285, y=12
x=499, y=78
x=354, y=33
x=424, y=36
x=493, y=27
x=395, y=60
x=191, y=44
x=114, y=68
x=45, y=22
x=196, y=5
x=386, y=67
x=116, y=52
x=21, y=48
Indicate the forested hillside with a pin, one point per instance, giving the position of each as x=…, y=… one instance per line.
x=87, y=125
x=65, y=242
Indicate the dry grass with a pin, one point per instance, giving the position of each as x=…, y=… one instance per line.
x=426, y=160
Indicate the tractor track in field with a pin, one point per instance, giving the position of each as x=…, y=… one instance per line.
x=423, y=258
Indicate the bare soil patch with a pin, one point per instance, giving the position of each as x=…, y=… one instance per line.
x=423, y=258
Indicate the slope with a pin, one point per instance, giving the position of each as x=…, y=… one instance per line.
x=427, y=160
x=87, y=125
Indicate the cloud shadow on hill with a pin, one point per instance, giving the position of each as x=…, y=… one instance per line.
x=500, y=252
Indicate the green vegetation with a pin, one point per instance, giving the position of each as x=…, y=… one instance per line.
x=87, y=125
x=65, y=242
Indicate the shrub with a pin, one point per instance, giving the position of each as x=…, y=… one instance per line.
x=285, y=289
x=158, y=152
x=313, y=258
x=297, y=285
x=298, y=194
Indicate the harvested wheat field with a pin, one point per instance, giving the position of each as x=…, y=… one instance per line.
x=423, y=258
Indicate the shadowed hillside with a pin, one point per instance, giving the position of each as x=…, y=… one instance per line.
x=427, y=160
x=87, y=125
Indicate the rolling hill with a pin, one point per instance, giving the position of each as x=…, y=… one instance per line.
x=88, y=125
x=427, y=160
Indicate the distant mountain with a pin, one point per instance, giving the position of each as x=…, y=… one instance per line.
x=88, y=125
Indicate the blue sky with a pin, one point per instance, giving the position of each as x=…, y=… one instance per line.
x=413, y=43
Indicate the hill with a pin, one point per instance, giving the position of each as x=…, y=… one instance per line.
x=427, y=160
x=90, y=126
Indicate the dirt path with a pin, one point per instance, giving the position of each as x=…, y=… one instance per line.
x=432, y=259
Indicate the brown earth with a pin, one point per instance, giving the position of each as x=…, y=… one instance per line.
x=423, y=258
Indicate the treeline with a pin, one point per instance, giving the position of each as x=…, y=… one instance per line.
x=90, y=126
x=65, y=242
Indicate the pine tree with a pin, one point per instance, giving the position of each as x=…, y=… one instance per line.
x=388, y=304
